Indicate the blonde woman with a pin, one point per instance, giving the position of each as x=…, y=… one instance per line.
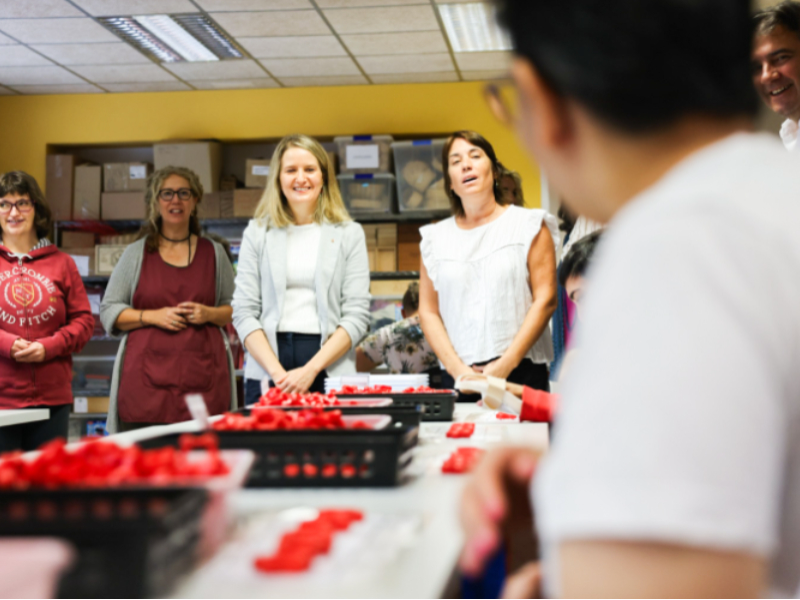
x=169, y=296
x=301, y=303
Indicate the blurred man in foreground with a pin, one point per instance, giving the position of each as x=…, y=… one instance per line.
x=675, y=469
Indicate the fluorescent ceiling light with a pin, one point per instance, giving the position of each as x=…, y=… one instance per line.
x=473, y=27
x=175, y=38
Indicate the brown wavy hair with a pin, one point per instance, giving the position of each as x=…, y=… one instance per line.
x=476, y=139
x=21, y=184
x=151, y=228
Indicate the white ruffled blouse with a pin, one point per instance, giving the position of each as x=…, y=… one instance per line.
x=481, y=276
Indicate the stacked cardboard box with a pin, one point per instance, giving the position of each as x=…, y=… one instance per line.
x=80, y=246
x=59, y=185
x=124, y=190
x=256, y=172
x=245, y=201
x=381, y=246
x=204, y=158
x=87, y=191
x=408, y=253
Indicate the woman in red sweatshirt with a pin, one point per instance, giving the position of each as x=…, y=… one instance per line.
x=44, y=316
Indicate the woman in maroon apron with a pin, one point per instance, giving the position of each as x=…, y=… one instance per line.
x=171, y=294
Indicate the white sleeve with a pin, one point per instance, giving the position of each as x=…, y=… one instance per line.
x=673, y=421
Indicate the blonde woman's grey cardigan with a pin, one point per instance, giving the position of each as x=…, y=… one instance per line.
x=119, y=296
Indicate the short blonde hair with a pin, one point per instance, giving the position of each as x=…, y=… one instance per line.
x=273, y=209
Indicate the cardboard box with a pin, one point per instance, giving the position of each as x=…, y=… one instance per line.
x=216, y=205
x=86, y=193
x=204, y=158
x=77, y=239
x=90, y=404
x=84, y=259
x=245, y=201
x=59, y=185
x=386, y=260
x=123, y=205
x=372, y=256
x=389, y=287
x=107, y=257
x=256, y=172
x=409, y=256
x=228, y=183
x=386, y=235
x=125, y=177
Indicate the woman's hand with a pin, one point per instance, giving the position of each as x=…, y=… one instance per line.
x=18, y=345
x=297, y=381
x=497, y=368
x=196, y=314
x=34, y=353
x=170, y=318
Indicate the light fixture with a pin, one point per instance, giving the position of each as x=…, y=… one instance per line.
x=175, y=38
x=473, y=27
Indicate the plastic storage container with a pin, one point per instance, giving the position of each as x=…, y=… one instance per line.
x=91, y=375
x=368, y=193
x=420, y=177
x=364, y=153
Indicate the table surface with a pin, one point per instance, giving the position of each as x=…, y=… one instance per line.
x=23, y=415
x=421, y=570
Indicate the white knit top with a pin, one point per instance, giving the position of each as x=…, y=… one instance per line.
x=300, y=313
x=481, y=276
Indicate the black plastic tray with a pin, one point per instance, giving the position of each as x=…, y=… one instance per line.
x=435, y=407
x=131, y=543
x=402, y=416
x=320, y=458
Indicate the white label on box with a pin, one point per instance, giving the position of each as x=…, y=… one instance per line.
x=363, y=157
x=82, y=262
x=260, y=170
x=197, y=407
x=138, y=172
x=81, y=404
x=94, y=302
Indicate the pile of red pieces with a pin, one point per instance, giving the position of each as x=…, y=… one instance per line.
x=350, y=390
x=272, y=419
x=463, y=460
x=502, y=415
x=300, y=547
x=276, y=397
x=461, y=430
x=101, y=463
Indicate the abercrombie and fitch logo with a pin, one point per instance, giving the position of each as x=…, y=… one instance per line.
x=25, y=299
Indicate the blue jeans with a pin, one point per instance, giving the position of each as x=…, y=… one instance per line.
x=294, y=351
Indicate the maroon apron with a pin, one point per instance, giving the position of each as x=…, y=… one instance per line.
x=161, y=366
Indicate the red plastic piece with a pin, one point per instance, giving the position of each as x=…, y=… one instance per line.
x=502, y=415
x=273, y=419
x=461, y=430
x=462, y=460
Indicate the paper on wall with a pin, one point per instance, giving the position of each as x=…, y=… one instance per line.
x=262, y=170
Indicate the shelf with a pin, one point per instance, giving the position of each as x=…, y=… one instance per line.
x=374, y=276
x=98, y=393
x=88, y=416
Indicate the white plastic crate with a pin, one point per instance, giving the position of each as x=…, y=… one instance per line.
x=364, y=153
x=368, y=193
x=420, y=176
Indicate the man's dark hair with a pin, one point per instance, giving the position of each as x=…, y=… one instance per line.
x=786, y=15
x=577, y=260
x=411, y=298
x=640, y=65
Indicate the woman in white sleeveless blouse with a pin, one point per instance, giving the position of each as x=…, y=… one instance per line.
x=488, y=274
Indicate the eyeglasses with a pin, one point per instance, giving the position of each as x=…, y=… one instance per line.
x=23, y=206
x=502, y=99
x=168, y=194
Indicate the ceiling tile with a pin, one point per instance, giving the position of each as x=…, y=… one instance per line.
x=76, y=88
x=436, y=77
x=409, y=63
x=233, y=5
x=162, y=86
x=17, y=9
x=235, y=84
x=320, y=81
x=310, y=67
x=272, y=23
x=123, y=74
x=291, y=47
x=20, y=56
x=483, y=61
x=56, y=31
x=223, y=69
x=118, y=53
x=358, y=3
x=4, y=39
x=484, y=75
x=36, y=76
x=410, y=42
x=115, y=8
x=377, y=20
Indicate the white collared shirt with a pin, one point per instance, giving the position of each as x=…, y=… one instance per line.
x=789, y=130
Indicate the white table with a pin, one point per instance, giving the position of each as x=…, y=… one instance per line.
x=421, y=571
x=24, y=415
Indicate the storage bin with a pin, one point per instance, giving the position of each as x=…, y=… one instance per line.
x=92, y=374
x=368, y=193
x=364, y=153
x=420, y=177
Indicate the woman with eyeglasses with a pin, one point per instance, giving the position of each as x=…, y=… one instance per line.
x=169, y=296
x=45, y=316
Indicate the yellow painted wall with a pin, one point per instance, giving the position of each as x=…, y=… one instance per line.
x=29, y=123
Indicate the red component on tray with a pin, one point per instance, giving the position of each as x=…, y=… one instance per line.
x=275, y=397
x=271, y=419
x=103, y=463
x=349, y=390
x=502, y=415
x=298, y=548
x=424, y=389
x=461, y=430
x=463, y=460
